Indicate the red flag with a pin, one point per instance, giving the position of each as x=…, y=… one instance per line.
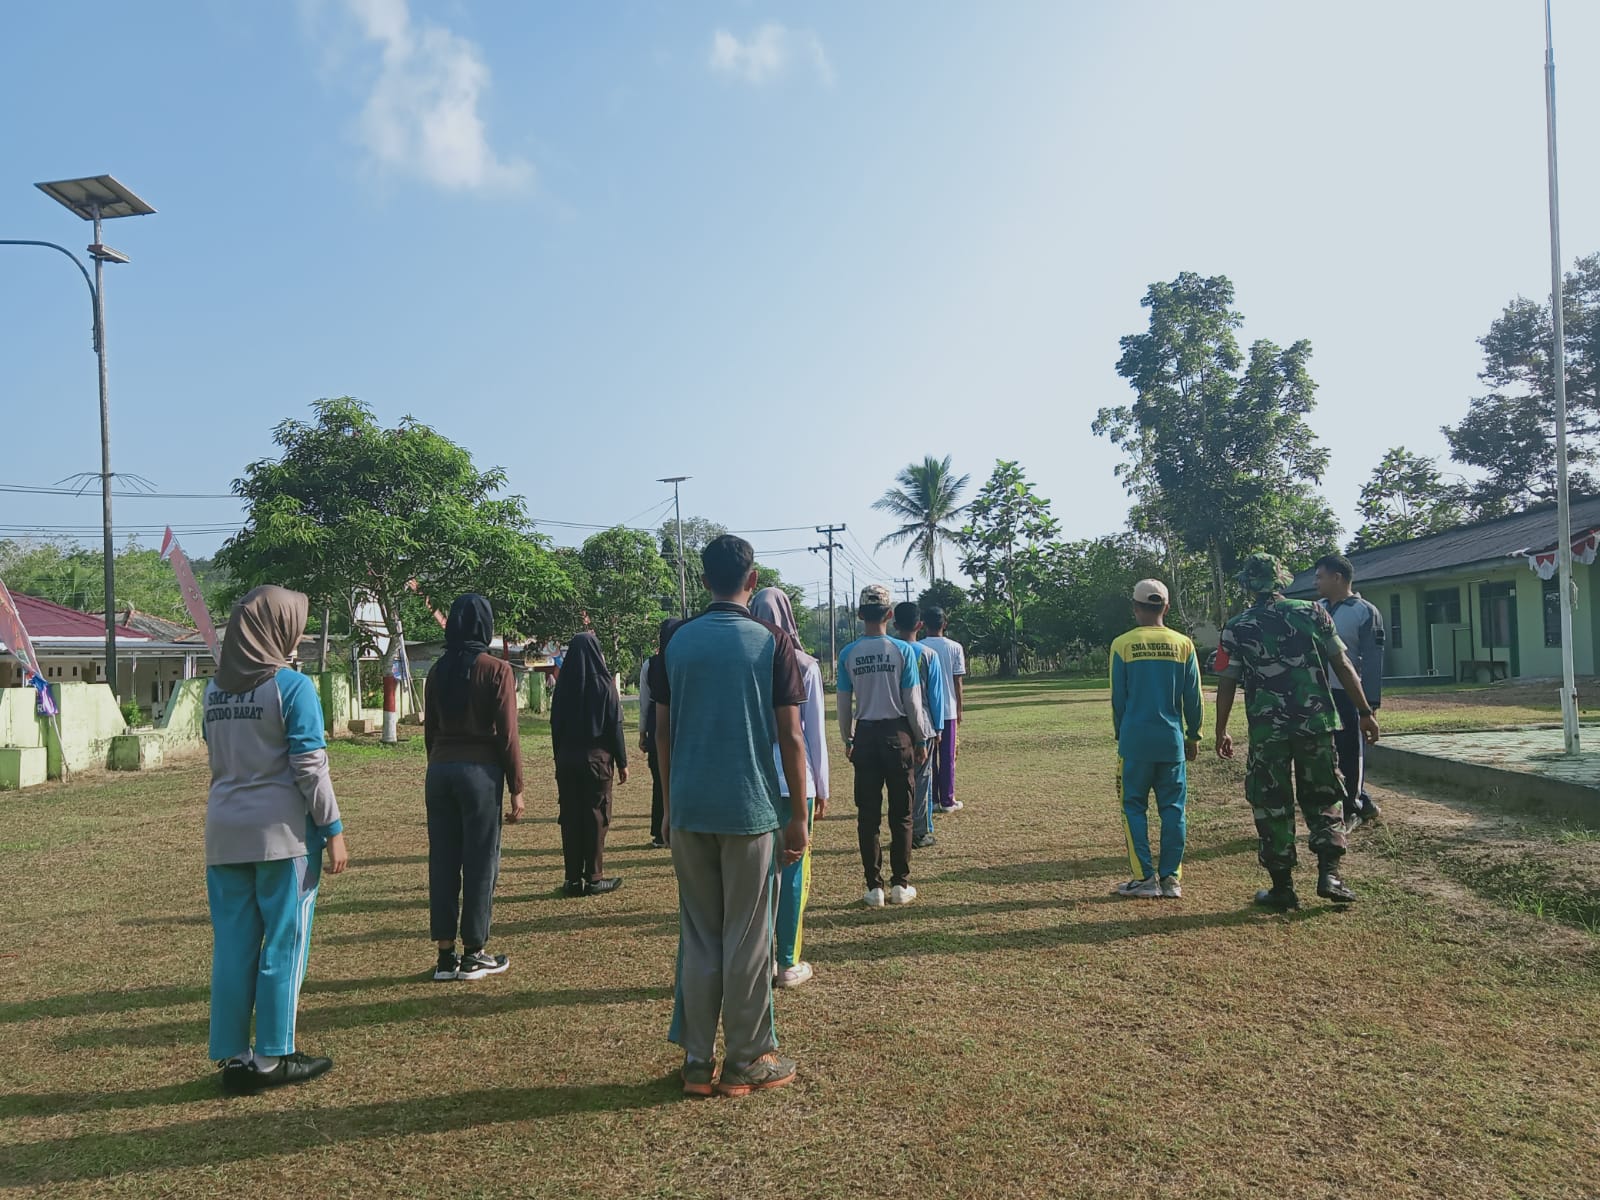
x=192, y=599
x=14, y=635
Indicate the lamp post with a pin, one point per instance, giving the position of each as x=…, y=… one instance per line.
x=1569, y=686
x=677, y=521
x=98, y=198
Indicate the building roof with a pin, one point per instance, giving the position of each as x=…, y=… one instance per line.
x=157, y=627
x=1494, y=542
x=46, y=619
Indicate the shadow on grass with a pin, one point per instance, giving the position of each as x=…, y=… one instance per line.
x=580, y=916
x=1016, y=873
x=1057, y=701
x=1084, y=933
x=430, y=1001
x=252, y=1134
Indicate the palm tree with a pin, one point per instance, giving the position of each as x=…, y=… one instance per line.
x=927, y=499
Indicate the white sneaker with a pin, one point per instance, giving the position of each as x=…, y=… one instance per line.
x=1139, y=889
x=953, y=806
x=793, y=977
x=902, y=893
x=1171, y=889
x=873, y=898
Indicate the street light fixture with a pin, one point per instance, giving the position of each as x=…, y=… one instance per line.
x=677, y=521
x=97, y=198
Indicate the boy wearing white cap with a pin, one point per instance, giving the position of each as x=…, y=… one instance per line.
x=1156, y=713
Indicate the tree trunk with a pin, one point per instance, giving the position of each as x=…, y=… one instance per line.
x=1221, y=584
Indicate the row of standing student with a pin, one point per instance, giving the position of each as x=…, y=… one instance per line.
x=271, y=810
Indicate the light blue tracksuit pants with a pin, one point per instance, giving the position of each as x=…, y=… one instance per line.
x=922, y=795
x=1170, y=782
x=794, y=889
x=260, y=937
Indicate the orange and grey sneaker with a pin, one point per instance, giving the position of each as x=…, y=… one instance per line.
x=768, y=1071
x=699, y=1078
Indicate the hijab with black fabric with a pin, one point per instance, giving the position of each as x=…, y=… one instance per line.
x=467, y=633
x=586, y=712
x=263, y=632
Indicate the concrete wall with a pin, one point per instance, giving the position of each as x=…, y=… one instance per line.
x=89, y=720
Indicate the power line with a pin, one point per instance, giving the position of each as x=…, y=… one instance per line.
x=30, y=490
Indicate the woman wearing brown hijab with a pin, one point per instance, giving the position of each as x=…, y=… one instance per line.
x=269, y=814
x=586, y=732
x=474, y=757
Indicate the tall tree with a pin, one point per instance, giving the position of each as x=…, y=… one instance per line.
x=1219, y=449
x=1004, y=551
x=927, y=499
x=624, y=582
x=1406, y=498
x=351, y=507
x=1509, y=433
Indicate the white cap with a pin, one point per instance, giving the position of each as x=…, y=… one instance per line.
x=1150, y=591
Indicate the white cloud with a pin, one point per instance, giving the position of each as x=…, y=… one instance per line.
x=421, y=117
x=767, y=54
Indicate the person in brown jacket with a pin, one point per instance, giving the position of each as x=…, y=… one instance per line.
x=590, y=746
x=474, y=756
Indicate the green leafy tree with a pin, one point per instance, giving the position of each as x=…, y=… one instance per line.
x=1085, y=601
x=624, y=581
x=351, y=507
x=1509, y=434
x=1004, y=551
x=1406, y=498
x=1219, y=450
x=69, y=574
x=927, y=499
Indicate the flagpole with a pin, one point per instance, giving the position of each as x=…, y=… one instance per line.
x=1569, y=685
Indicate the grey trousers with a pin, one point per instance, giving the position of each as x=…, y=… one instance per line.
x=727, y=894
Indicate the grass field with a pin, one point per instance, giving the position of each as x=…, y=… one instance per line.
x=1017, y=1032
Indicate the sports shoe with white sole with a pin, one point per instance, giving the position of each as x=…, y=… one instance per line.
x=476, y=964
x=1171, y=889
x=873, y=898
x=448, y=966
x=953, y=806
x=1139, y=889
x=902, y=893
x=793, y=977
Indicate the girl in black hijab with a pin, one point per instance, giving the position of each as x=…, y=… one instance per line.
x=474, y=755
x=586, y=732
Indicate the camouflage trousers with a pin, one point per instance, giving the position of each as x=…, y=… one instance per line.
x=1281, y=770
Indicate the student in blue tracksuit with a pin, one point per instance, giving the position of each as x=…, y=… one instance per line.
x=935, y=698
x=269, y=815
x=794, y=885
x=1156, y=713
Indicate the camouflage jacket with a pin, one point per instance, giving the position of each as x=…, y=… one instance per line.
x=1280, y=650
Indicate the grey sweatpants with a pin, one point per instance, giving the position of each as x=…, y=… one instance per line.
x=727, y=891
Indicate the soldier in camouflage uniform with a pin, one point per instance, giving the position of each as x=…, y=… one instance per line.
x=1282, y=650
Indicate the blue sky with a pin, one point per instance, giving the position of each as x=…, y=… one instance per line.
x=782, y=248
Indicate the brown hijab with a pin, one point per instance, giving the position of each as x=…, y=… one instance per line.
x=261, y=637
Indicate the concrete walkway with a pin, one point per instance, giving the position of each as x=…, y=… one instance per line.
x=1524, y=767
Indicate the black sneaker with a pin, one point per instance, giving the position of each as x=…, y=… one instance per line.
x=923, y=842
x=291, y=1068
x=574, y=887
x=1331, y=887
x=657, y=844
x=475, y=964
x=599, y=887
x=449, y=965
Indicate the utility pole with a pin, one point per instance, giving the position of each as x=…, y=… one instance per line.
x=828, y=544
x=906, y=584
x=677, y=521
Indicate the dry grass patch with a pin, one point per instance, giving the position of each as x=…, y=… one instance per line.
x=1017, y=1032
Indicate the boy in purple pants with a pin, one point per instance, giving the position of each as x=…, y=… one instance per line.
x=953, y=658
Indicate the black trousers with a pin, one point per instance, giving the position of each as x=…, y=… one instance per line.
x=657, y=805
x=583, y=797
x=463, y=802
x=1352, y=750
x=884, y=761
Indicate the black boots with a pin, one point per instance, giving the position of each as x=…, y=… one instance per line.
x=1281, y=895
x=1331, y=887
